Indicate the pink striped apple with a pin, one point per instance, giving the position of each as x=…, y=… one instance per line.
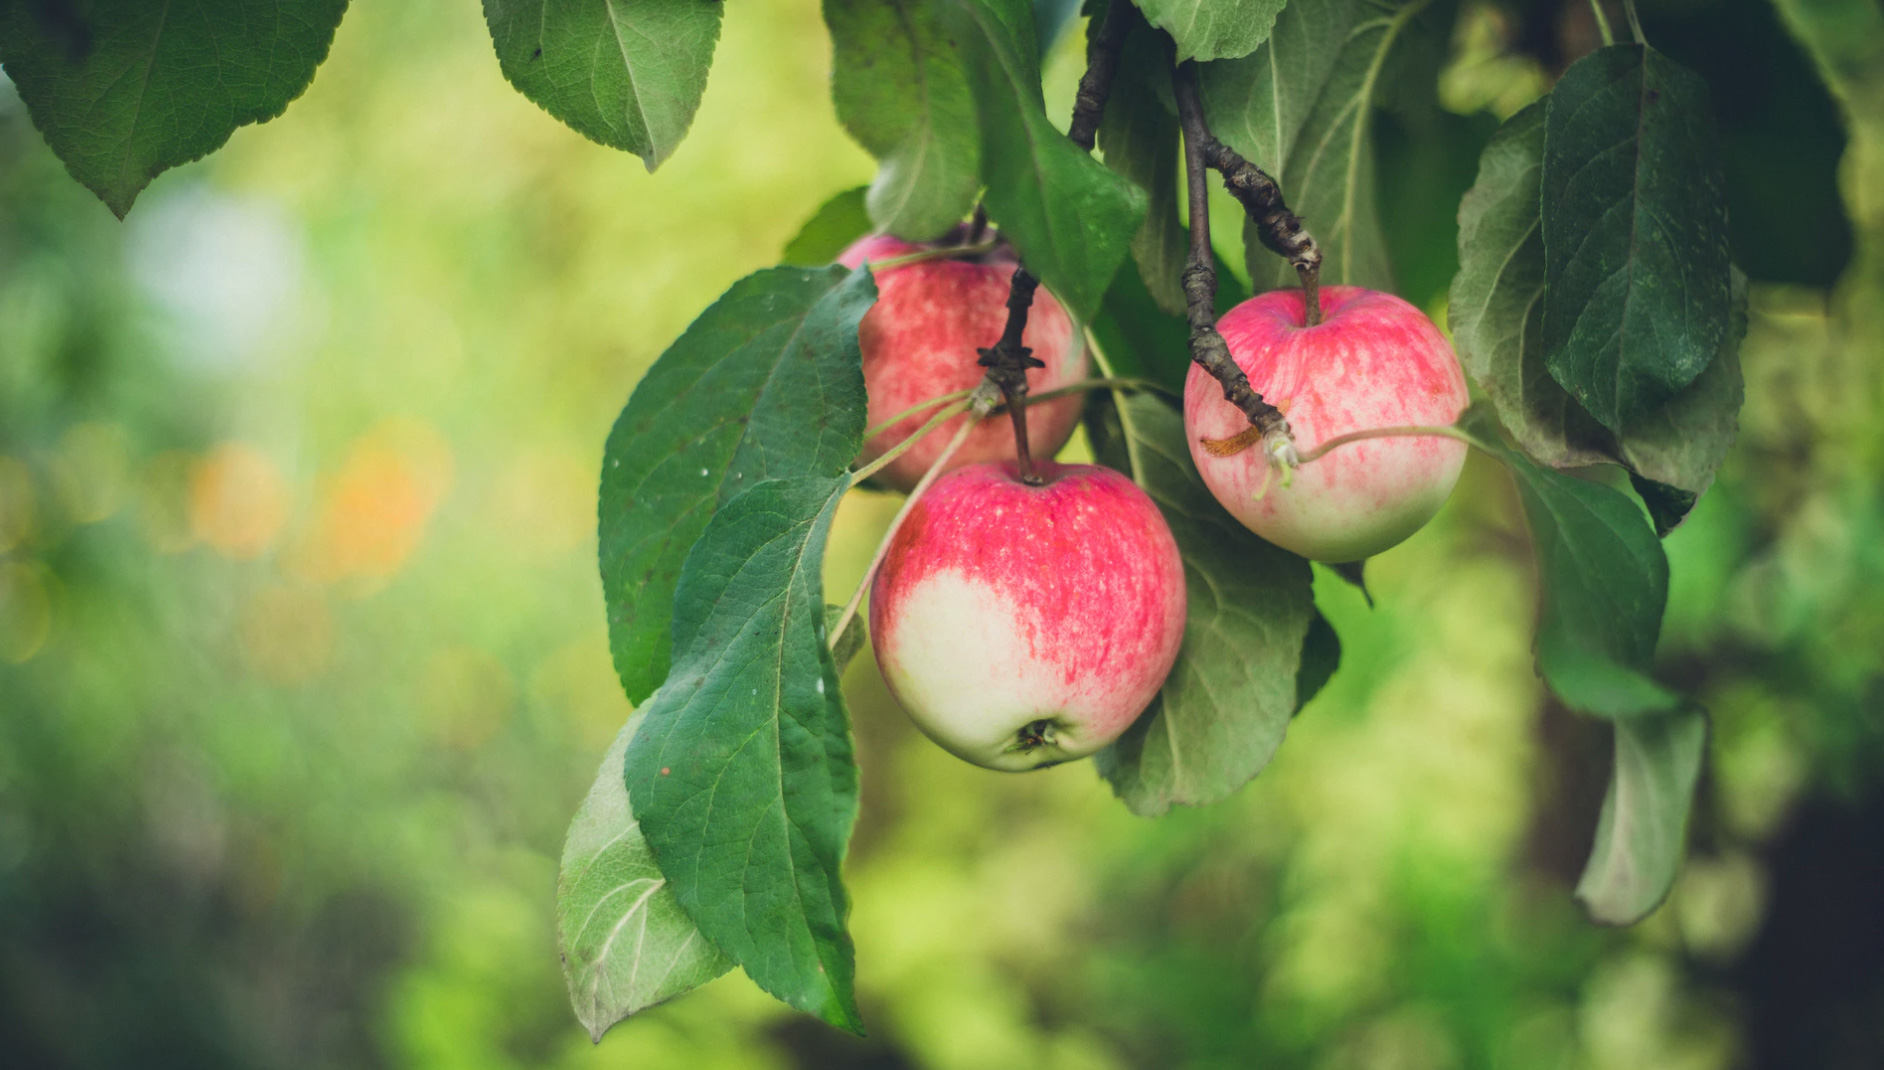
x=1373, y=362
x=1023, y=626
x=920, y=341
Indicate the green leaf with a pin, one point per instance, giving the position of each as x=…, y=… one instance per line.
x=1257, y=105
x=126, y=89
x=1321, y=656
x=1214, y=29
x=1328, y=177
x=1605, y=583
x=831, y=229
x=743, y=774
x=1496, y=306
x=626, y=73
x=1239, y=675
x=900, y=90
x=768, y=382
x=1637, y=289
x=1139, y=137
x=1496, y=312
x=626, y=943
x=848, y=644
x=1071, y=219
x=1644, y=825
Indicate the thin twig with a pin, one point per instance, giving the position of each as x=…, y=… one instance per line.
x=1102, y=62
x=1127, y=426
x=1410, y=431
x=1007, y=362
x=1635, y=21
x=1281, y=230
x=1107, y=383
x=1602, y=22
x=1200, y=286
x=920, y=406
x=883, y=548
x=941, y=252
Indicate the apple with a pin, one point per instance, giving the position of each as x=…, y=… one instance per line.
x=1373, y=362
x=1023, y=626
x=920, y=341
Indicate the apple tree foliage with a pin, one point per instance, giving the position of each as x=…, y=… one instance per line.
x=1594, y=307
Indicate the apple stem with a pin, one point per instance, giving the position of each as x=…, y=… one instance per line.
x=891, y=454
x=1007, y=362
x=1208, y=348
x=876, y=561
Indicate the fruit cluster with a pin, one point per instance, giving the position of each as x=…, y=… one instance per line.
x=1022, y=624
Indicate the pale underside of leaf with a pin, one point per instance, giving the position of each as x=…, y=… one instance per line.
x=1644, y=823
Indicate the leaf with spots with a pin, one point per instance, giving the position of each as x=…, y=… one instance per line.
x=743, y=774
x=126, y=89
x=626, y=942
x=625, y=73
x=1240, y=675
x=767, y=382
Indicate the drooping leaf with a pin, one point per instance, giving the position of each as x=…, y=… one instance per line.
x=126, y=89
x=1139, y=137
x=1071, y=219
x=1239, y=676
x=625, y=73
x=1321, y=656
x=1328, y=177
x=768, y=382
x=900, y=90
x=1496, y=312
x=1604, y=582
x=1637, y=294
x=1214, y=29
x=626, y=943
x=1257, y=104
x=831, y=229
x=1644, y=824
x=743, y=773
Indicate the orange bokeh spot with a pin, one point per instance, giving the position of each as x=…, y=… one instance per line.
x=238, y=501
x=374, y=511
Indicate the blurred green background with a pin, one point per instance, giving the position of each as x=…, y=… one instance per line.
x=303, y=666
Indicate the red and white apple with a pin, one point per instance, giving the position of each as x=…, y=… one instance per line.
x=1373, y=362
x=920, y=341
x=1023, y=626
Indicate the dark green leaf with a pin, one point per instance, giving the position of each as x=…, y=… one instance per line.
x=626, y=942
x=1355, y=573
x=768, y=382
x=743, y=774
x=1140, y=140
x=626, y=73
x=1321, y=656
x=1071, y=219
x=126, y=89
x=1214, y=29
x=1673, y=450
x=1239, y=675
x=1495, y=314
x=1605, y=583
x=1257, y=105
x=1637, y=290
x=1051, y=18
x=831, y=229
x=1328, y=176
x=1496, y=307
x=900, y=90
x=1644, y=826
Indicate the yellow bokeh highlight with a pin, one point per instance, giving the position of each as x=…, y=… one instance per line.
x=90, y=470
x=26, y=607
x=18, y=503
x=373, y=512
x=238, y=501
x=286, y=633
x=163, y=506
